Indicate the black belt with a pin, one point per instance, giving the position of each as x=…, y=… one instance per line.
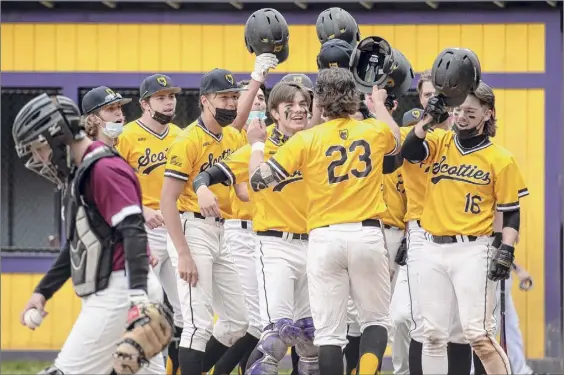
x=452, y=239
x=365, y=223
x=291, y=236
x=198, y=215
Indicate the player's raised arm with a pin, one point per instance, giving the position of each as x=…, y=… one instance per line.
x=263, y=64
x=382, y=113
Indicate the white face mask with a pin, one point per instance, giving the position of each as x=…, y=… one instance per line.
x=261, y=115
x=113, y=129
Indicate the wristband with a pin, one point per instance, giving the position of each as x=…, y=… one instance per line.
x=497, y=240
x=257, y=146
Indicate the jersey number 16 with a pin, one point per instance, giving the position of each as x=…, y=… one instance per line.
x=472, y=204
x=343, y=153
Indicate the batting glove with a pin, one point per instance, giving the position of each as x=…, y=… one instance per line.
x=264, y=63
x=436, y=108
x=500, y=266
x=401, y=256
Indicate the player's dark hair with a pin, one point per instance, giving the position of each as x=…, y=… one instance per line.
x=336, y=93
x=486, y=97
x=425, y=77
x=285, y=92
x=246, y=82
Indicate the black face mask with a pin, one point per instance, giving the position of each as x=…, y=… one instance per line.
x=161, y=118
x=225, y=117
x=468, y=133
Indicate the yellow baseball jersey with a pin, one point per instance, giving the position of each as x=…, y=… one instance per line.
x=341, y=162
x=466, y=186
x=241, y=210
x=395, y=198
x=195, y=150
x=146, y=152
x=415, y=182
x=282, y=207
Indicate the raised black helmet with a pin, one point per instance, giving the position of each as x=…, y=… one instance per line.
x=337, y=23
x=266, y=31
x=371, y=62
x=456, y=72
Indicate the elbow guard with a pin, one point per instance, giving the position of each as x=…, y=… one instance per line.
x=512, y=219
x=134, y=237
x=263, y=177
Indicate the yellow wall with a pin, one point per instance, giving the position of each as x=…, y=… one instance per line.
x=199, y=48
x=516, y=48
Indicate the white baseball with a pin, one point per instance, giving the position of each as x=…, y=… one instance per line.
x=33, y=318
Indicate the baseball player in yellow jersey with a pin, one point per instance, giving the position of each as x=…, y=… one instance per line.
x=239, y=236
x=415, y=177
x=279, y=220
x=144, y=144
x=478, y=177
x=207, y=279
x=341, y=161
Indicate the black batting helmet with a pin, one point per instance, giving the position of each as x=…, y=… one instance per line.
x=456, y=72
x=334, y=53
x=53, y=121
x=371, y=62
x=400, y=76
x=337, y=23
x=266, y=31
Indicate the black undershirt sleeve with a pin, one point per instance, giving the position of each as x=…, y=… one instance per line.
x=413, y=148
x=392, y=163
x=134, y=237
x=512, y=219
x=57, y=275
x=210, y=177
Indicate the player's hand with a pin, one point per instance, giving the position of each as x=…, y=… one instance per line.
x=187, y=268
x=256, y=132
x=525, y=279
x=209, y=207
x=263, y=64
x=153, y=218
x=36, y=301
x=401, y=256
x=153, y=261
x=501, y=264
x=437, y=109
x=379, y=96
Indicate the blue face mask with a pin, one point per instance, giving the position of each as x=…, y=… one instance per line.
x=261, y=115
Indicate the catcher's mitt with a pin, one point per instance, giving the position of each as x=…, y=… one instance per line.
x=149, y=330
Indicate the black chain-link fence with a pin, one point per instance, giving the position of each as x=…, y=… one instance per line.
x=28, y=201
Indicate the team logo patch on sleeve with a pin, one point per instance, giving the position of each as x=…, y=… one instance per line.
x=344, y=134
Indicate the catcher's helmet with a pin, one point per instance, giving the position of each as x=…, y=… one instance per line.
x=337, y=23
x=46, y=121
x=371, y=62
x=266, y=31
x=334, y=53
x=456, y=72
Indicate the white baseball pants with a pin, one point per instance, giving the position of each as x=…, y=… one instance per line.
x=218, y=288
x=100, y=326
x=455, y=272
x=282, y=279
x=416, y=284
x=241, y=243
x=164, y=269
x=340, y=256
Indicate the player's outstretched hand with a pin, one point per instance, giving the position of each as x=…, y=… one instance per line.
x=501, y=264
x=256, y=132
x=525, y=279
x=207, y=202
x=187, y=269
x=36, y=301
x=263, y=64
x=153, y=218
x=379, y=96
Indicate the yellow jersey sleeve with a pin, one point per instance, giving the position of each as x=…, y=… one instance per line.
x=509, y=187
x=236, y=166
x=290, y=157
x=391, y=143
x=180, y=158
x=433, y=142
x=122, y=146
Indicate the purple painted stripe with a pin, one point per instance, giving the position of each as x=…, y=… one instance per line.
x=373, y=17
x=27, y=263
x=553, y=189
